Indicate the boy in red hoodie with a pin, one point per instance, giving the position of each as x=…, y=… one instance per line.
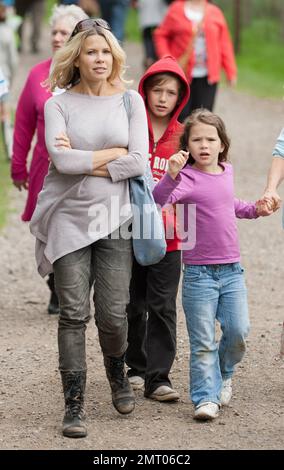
x=153, y=289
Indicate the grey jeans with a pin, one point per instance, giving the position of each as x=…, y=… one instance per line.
x=107, y=263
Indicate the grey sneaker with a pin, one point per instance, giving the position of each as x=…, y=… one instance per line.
x=226, y=393
x=164, y=393
x=136, y=382
x=207, y=410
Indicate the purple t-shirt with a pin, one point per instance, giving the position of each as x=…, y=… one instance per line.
x=216, y=208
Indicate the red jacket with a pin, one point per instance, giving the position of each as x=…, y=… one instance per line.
x=175, y=33
x=162, y=150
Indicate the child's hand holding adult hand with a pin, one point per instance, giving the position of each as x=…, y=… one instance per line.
x=272, y=195
x=264, y=207
x=176, y=163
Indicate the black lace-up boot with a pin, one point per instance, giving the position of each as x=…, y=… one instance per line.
x=123, y=398
x=74, y=419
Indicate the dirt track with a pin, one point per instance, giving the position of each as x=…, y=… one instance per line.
x=31, y=403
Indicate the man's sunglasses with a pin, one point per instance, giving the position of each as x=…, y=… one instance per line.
x=89, y=23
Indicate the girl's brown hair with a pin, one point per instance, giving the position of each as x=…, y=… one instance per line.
x=205, y=117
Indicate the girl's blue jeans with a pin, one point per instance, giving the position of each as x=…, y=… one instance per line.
x=213, y=292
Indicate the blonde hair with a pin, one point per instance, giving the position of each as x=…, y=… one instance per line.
x=65, y=74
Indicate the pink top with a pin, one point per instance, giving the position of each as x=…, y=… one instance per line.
x=30, y=119
x=216, y=240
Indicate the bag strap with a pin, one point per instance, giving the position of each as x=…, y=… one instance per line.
x=148, y=177
x=127, y=103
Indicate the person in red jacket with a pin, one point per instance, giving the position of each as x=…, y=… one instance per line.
x=153, y=289
x=195, y=32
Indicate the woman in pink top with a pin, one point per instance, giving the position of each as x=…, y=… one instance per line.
x=213, y=282
x=30, y=121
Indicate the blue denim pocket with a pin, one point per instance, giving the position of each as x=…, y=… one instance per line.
x=192, y=273
x=237, y=267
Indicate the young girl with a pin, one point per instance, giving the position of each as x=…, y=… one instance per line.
x=153, y=289
x=213, y=282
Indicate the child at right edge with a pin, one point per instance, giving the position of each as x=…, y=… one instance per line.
x=213, y=282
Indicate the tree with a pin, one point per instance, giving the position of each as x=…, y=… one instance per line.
x=247, y=13
x=237, y=25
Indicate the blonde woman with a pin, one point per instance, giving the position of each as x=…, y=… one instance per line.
x=29, y=124
x=84, y=208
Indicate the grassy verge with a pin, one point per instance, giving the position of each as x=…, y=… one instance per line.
x=260, y=68
x=48, y=8
x=5, y=185
x=132, y=29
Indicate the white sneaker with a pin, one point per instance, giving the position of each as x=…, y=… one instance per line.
x=226, y=393
x=207, y=410
x=136, y=382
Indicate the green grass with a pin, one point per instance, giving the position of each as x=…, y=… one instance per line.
x=48, y=8
x=5, y=185
x=260, y=64
x=132, y=29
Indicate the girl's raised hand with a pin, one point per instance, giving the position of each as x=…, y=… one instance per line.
x=177, y=162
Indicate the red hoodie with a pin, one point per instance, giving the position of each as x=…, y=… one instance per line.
x=162, y=150
x=175, y=33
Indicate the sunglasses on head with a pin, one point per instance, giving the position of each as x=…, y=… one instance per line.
x=89, y=23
